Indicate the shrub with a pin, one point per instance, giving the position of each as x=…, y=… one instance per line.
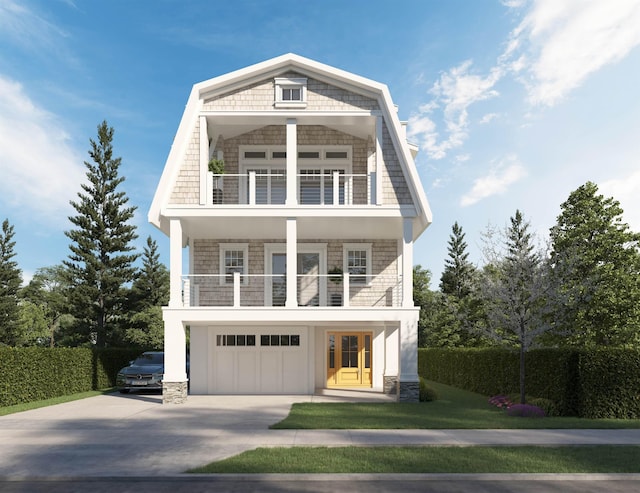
x=427, y=393
x=525, y=411
x=547, y=405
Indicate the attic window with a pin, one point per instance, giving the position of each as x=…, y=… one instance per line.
x=290, y=93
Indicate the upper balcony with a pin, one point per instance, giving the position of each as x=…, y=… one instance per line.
x=313, y=187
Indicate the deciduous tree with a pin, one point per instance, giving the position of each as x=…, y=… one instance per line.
x=596, y=262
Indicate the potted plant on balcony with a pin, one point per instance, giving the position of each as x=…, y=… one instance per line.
x=216, y=168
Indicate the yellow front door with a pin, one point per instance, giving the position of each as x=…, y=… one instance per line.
x=349, y=359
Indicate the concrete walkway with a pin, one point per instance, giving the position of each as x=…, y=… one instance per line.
x=135, y=435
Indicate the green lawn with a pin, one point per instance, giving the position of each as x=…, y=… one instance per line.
x=455, y=409
x=18, y=408
x=583, y=459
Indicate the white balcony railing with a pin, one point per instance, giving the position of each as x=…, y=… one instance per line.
x=264, y=290
x=313, y=188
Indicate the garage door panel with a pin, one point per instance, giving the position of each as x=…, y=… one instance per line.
x=246, y=366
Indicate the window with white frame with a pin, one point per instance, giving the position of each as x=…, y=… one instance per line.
x=234, y=257
x=357, y=262
x=290, y=92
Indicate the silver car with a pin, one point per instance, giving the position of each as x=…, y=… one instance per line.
x=145, y=372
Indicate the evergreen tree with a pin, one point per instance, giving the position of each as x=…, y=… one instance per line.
x=150, y=291
x=457, y=276
x=596, y=261
x=458, y=309
x=100, y=265
x=151, y=287
x=10, y=281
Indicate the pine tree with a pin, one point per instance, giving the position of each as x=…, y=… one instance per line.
x=150, y=291
x=458, y=271
x=100, y=265
x=10, y=281
x=596, y=261
x=151, y=287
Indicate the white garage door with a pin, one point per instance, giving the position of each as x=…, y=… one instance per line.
x=260, y=361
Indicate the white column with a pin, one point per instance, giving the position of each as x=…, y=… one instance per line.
x=292, y=162
x=407, y=263
x=409, y=349
x=392, y=352
x=204, y=160
x=292, y=262
x=175, y=349
x=175, y=263
x=379, y=160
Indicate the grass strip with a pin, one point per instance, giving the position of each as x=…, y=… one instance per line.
x=27, y=406
x=455, y=409
x=479, y=459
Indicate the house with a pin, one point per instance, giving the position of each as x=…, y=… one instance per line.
x=300, y=253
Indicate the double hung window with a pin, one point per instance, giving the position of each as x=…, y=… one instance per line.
x=233, y=258
x=357, y=262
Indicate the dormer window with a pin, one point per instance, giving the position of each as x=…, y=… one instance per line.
x=290, y=92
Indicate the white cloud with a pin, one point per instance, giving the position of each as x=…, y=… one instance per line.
x=488, y=117
x=566, y=41
x=626, y=191
x=40, y=171
x=507, y=172
x=454, y=92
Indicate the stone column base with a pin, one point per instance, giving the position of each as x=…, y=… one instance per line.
x=390, y=385
x=174, y=392
x=409, y=392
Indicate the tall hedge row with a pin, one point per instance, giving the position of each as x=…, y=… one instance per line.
x=31, y=374
x=603, y=383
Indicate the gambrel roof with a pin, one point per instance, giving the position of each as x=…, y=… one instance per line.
x=290, y=63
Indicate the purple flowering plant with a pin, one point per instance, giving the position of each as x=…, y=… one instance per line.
x=525, y=411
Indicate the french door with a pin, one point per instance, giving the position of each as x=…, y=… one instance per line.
x=311, y=284
x=349, y=359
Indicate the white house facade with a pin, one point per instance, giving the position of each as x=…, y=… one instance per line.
x=299, y=251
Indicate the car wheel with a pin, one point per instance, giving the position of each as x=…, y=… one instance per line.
x=124, y=391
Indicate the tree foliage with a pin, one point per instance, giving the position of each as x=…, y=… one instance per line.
x=150, y=291
x=100, y=264
x=457, y=277
x=514, y=289
x=48, y=290
x=596, y=262
x=10, y=281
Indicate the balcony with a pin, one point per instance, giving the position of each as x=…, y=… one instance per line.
x=314, y=187
x=315, y=290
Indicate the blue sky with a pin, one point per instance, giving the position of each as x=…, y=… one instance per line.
x=513, y=103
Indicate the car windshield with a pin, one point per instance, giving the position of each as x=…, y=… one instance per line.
x=149, y=359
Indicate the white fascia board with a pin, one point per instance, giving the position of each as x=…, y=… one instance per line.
x=186, y=211
x=407, y=163
x=260, y=315
x=290, y=61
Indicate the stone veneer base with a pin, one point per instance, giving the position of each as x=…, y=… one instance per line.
x=390, y=385
x=174, y=392
x=409, y=392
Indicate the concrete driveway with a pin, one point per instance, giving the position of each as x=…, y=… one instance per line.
x=135, y=434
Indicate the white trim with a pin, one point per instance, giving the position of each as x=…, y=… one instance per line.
x=225, y=247
x=346, y=247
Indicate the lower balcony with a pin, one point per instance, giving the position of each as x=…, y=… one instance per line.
x=266, y=290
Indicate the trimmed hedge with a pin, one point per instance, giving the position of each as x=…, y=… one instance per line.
x=603, y=383
x=32, y=374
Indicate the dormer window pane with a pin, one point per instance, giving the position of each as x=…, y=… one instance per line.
x=291, y=94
